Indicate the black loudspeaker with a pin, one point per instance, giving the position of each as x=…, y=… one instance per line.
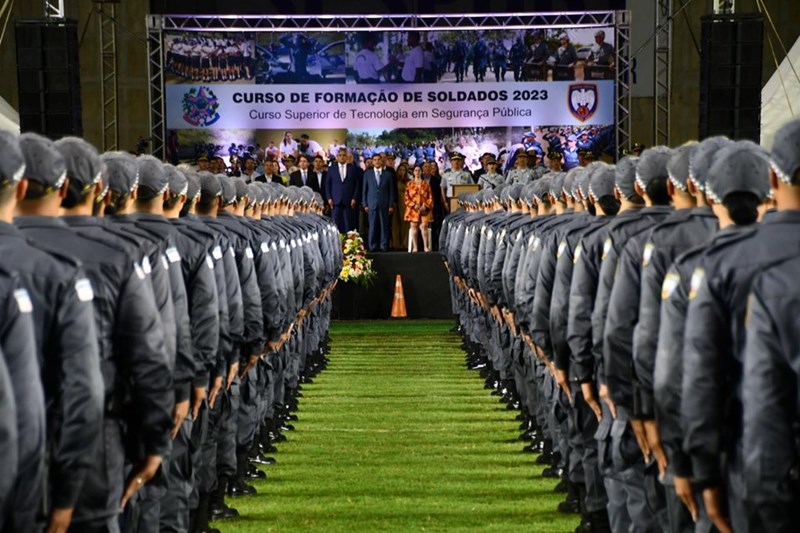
x=730, y=76
x=48, y=77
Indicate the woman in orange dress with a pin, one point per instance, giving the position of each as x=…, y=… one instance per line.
x=419, y=208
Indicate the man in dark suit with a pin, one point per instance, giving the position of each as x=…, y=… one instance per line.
x=321, y=174
x=379, y=197
x=270, y=174
x=304, y=176
x=343, y=191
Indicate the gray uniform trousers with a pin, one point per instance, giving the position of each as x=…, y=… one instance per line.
x=175, y=505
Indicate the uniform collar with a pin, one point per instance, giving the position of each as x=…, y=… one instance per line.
x=782, y=217
x=7, y=229
x=35, y=221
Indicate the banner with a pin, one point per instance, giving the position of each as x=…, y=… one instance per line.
x=389, y=106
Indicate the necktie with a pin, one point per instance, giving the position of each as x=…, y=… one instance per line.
x=343, y=171
x=304, y=177
x=378, y=176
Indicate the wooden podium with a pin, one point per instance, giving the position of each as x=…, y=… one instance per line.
x=459, y=189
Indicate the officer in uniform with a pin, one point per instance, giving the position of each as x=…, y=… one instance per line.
x=517, y=57
x=601, y=52
x=491, y=179
x=520, y=173
x=571, y=159
x=130, y=339
x=770, y=370
x=64, y=324
x=457, y=175
x=555, y=158
x=712, y=410
x=538, y=55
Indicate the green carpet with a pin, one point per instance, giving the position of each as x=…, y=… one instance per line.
x=397, y=435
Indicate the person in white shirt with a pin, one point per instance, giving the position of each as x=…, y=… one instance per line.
x=309, y=147
x=367, y=64
x=288, y=146
x=414, y=63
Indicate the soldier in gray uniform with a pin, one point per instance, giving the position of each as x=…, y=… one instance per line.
x=668, y=368
x=457, y=175
x=491, y=179
x=711, y=410
x=585, y=360
x=22, y=409
x=691, y=224
x=770, y=369
x=601, y=53
x=132, y=357
x=520, y=173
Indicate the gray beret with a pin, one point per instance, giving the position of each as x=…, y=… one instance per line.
x=570, y=187
x=153, y=180
x=192, y=185
x=256, y=193
x=742, y=166
x=43, y=163
x=12, y=162
x=307, y=194
x=602, y=182
x=84, y=166
x=504, y=194
x=176, y=180
x=122, y=171
x=526, y=195
x=515, y=192
x=228, y=189
x=702, y=157
x=209, y=184
x=678, y=165
x=541, y=188
x=652, y=165
x=242, y=190
x=625, y=176
x=557, y=184
x=318, y=199
x=786, y=153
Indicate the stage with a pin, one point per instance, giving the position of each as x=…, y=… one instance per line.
x=425, y=285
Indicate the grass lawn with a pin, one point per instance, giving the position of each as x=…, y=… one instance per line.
x=397, y=435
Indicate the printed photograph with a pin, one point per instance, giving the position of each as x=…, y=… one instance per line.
x=300, y=58
x=193, y=57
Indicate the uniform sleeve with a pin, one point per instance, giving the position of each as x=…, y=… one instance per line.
x=582, y=293
x=8, y=434
x=204, y=318
x=496, y=271
x=645, y=338
x=233, y=288
x=223, y=317
x=310, y=274
x=605, y=283
x=668, y=377
x=81, y=397
x=145, y=365
x=559, y=310
x=623, y=311
x=701, y=401
x=251, y=301
x=540, y=317
x=185, y=367
x=771, y=367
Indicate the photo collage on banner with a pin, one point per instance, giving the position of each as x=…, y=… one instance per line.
x=419, y=94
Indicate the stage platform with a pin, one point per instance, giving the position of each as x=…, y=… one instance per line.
x=425, y=285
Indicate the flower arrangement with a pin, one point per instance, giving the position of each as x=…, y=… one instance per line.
x=355, y=265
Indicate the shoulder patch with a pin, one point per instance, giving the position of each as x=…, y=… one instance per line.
x=536, y=243
x=648, y=253
x=248, y=252
x=561, y=247
x=671, y=282
x=264, y=247
x=173, y=255
x=209, y=262
x=578, y=252
x=164, y=263
x=23, y=301
x=607, y=248
x=216, y=253
x=83, y=288
x=697, y=281
x=138, y=270
x=146, y=265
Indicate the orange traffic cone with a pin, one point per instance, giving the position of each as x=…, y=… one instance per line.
x=399, y=304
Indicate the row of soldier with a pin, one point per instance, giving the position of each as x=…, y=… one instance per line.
x=643, y=317
x=152, y=356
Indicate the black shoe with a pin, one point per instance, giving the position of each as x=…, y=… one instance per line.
x=240, y=488
x=544, y=459
x=287, y=427
x=254, y=473
x=528, y=436
x=552, y=472
x=267, y=447
x=531, y=448
x=569, y=507
x=278, y=438
x=222, y=512
x=292, y=418
x=260, y=459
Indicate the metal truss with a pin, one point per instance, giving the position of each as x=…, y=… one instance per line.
x=622, y=111
x=158, y=24
x=338, y=23
x=663, y=72
x=108, y=72
x=54, y=9
x=155, y=73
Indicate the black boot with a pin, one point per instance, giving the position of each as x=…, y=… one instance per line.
x=570, y=505
x=237, y=486
x=217, y=509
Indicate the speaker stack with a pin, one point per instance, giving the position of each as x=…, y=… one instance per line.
x=48, y=76
x=730, y=76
